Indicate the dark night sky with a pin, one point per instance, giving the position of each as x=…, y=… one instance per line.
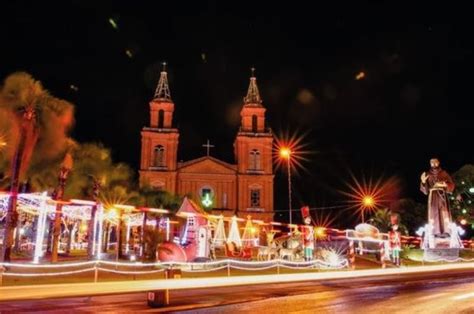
x=412, y=104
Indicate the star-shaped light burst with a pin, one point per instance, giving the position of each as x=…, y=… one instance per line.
x=368, y=196
x=292, y=150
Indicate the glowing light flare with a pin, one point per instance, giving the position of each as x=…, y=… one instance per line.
x=112, y=215
x=368, y=201
x=285, y=152
x=320, y=232
x=322, y=220
x=367, y=196
x=463, y=222
x=113, y=23
x=114, y=199
x=83, y=227
x=290, y=150
x=3, y=140
x=360, y=76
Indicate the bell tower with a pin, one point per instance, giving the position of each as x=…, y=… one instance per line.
x=253, y=152
x=160, y=141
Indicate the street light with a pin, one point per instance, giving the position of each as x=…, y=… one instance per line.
x=285, y=153
x=368, y=201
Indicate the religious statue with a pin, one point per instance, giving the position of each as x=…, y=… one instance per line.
x=436, y=183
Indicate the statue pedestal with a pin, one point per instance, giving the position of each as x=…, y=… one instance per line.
x=439, y=254
x=442, y=243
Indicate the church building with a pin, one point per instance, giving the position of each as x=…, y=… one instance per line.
x=242, y=188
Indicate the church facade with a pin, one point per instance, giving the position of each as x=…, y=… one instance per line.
x=243, y=188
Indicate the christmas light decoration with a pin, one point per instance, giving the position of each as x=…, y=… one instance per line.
x=206, y=200
x=38, y=253
x=219, y=233
x=101, y=231
x=249, y=237
x=234, y=235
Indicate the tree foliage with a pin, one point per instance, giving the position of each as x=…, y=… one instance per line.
x=54, y=119
x=462, y=199
x=412, y=214
x=382, y=220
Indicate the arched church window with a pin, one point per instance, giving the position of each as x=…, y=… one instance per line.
x=254, y=124
x=161, y=118
x=159, y=156
x=254, y=160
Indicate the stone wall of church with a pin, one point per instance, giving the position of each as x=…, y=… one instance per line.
x=159, y=180
x=262, y=183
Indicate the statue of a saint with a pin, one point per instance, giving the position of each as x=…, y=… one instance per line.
x=436, y=183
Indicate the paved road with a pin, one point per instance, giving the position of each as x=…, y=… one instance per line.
x=448, y=292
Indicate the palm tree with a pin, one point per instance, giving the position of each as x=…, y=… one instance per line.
x=29, y=111
x=381, y=219
x=22, y=99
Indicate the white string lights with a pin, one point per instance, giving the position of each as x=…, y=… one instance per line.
x=185, y=267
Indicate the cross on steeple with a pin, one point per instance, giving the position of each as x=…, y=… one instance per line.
x=163, y=90
x=208, y=146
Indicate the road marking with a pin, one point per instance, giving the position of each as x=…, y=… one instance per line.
x=464, y=296
x=432, y=296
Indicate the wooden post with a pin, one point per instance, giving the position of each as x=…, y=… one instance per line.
x=2, y=270
x=160, y=298
x=228, y=269
x=96, y=273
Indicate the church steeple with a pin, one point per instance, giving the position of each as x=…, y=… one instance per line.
x=253, y=113
x=162, y=91
x=161, y=106
x=253, y=95
x=160, y=140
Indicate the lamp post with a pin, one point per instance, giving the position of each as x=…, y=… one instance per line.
x=285, y=153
